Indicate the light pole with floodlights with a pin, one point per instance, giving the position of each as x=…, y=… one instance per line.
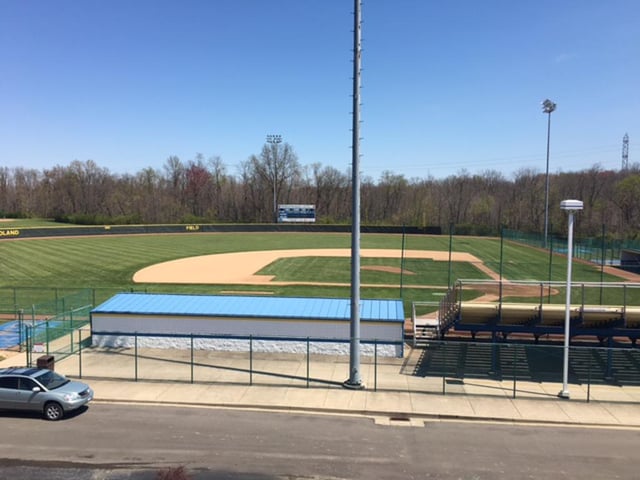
x=275, y=140
x=547, y=107
x=570, y=206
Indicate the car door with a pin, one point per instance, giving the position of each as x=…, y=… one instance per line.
x=26, y=398
x=8, y=392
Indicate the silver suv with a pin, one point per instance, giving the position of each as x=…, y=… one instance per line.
x=41, y=390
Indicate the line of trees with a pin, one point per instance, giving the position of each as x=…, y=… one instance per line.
x=201, y=190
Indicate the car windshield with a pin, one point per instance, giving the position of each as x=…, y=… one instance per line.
x=52, y=380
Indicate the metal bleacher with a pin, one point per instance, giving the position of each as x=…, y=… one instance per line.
x=500, y=318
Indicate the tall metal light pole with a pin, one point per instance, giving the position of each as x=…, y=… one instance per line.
x=569, y=206
x=355, y=381
x=547, y=107
x=275, y=140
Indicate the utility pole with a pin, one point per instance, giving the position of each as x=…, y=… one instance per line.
x=355, y=380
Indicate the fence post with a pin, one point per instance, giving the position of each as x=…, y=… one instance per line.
x=192, y=358
x=250, y=359
x=444, y=370
x=589, y=378
x=28, y=343
x=413, y=322
x=46, y=334
x=21, y=332
x=375, y=365
x=135, y=354
x=79, y=353
x=71, y=328
x=515, y=359
x=308, y=366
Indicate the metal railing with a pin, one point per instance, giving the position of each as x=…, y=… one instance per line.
x=442, y=367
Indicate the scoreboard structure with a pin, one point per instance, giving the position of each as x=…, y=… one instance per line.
x=296, y=213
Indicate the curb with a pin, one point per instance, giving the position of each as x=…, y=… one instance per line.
x=435, y=417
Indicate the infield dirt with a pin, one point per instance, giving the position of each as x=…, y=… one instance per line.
x=241, y=267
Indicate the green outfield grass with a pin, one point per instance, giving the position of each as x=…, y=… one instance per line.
x=107, y=263
x=338, y=270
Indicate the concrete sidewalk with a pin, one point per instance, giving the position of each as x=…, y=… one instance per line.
x=405, y=400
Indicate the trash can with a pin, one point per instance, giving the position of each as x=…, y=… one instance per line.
x=46, y=361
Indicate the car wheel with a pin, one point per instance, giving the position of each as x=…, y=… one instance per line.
x=53, y=411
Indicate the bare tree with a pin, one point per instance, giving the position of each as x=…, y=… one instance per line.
x=392, y=188
x=202, y=191
x=526, y=205
x=627, y=192
x=331, y=191
x=278, y=168
x=26, y=182
x=197, y=182
x=458, y=196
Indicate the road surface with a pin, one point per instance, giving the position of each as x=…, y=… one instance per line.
x=113, y=442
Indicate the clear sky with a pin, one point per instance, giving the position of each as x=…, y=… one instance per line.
x=446, y=85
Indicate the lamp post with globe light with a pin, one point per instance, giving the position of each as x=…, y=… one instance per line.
x=569, y=206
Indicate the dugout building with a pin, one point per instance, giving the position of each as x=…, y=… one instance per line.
x=238, y=323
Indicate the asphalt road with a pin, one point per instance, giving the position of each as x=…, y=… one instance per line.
x=113, y=442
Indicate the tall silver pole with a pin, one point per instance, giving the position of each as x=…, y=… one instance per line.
x=355, y=380
x=570, y=206
x=567, y=314
x=546, y=187
x=547, y=107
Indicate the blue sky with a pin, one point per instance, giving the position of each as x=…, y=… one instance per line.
x=446, y=85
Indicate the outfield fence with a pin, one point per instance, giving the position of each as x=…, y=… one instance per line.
x=599, y=250
x=39, y=302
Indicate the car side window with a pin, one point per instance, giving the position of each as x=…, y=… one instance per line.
x=27, y=384
x=9, y=382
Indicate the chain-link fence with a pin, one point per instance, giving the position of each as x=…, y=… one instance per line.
x=60, y=336
x=40, y=302
x=470, y=368
x=602, y=250
x=37, y=315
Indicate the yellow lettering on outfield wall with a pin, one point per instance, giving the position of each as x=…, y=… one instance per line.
x=9, y=233
x=193, y=228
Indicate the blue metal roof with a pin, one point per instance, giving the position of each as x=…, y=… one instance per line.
x=247, y=306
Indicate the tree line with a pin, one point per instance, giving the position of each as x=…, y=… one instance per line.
x=202, y=190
